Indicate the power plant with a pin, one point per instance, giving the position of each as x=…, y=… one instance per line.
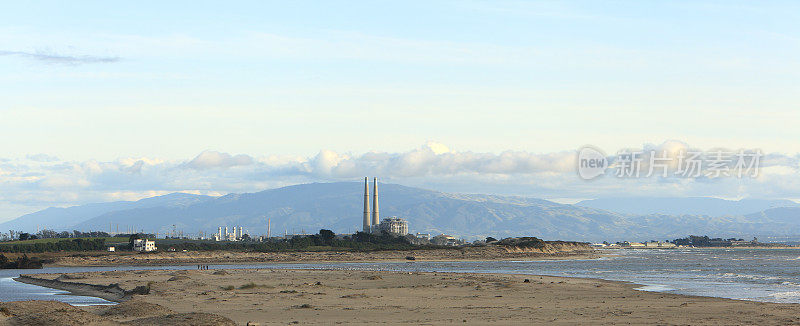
x=372, y=219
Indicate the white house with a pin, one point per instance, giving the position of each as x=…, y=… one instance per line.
x=144, y=245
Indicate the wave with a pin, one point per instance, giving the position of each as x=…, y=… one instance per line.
x=655, y=288
x=748, y=276
x=787, y=296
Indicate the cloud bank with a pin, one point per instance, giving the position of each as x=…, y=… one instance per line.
x=40, y=180
x=55, y=58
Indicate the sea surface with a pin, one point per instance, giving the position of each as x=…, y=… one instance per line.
x=769, y=275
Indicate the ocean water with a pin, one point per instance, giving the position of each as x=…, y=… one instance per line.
x=769, y=275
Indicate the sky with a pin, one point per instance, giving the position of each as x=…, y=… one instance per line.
x=108, y=100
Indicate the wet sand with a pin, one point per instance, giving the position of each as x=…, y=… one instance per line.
x=364, y=297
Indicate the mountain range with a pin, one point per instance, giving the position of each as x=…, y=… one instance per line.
x=338, y=206
x=685, y=206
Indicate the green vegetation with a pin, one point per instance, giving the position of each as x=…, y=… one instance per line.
x=326, y=240
x=50, y=240
x=250, y=285
x=59, y=245
x=227, y=288
x=523, y=242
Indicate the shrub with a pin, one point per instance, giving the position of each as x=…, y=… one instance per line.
x=250, y=285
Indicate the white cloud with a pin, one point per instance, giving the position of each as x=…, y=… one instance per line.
x=214, y=159
x=58, y=58
x=34, y=183
x=41, y=157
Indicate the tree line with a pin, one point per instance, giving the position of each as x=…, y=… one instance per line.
x=63, y=245
x=325, y=240
x=50, y=234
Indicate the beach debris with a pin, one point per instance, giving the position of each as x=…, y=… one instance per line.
x=526, y=281
x=354, y=296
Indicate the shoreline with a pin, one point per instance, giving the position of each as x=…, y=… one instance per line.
x=352, y=296
x=577, y=256
x=487, y=253
x=714, y=248
x=111, y=292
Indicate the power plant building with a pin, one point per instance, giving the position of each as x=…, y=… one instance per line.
x=236, y=235
x=394, y=225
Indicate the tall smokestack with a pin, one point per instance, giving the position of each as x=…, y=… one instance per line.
x=269, y=228
x=367, y=223
x=376, y=218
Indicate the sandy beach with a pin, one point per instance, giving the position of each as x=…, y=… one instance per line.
x=269, y=297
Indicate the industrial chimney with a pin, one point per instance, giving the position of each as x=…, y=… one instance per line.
x=366, y=206
x=376, y=219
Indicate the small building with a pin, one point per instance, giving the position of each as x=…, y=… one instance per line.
x=634, y=244
x=144, y=245
x=426, y=236
x=659, y=244
x=446, y=240
x=112, y=249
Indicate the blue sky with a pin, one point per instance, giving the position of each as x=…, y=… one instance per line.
x=154, y=81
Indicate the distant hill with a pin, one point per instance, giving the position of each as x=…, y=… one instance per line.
x=780, y=215
x=59, y=218
x=338, y=206
x=685, y=206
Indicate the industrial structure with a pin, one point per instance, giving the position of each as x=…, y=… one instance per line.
x=238, y=233
x=394, y=225
x=371, y=222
